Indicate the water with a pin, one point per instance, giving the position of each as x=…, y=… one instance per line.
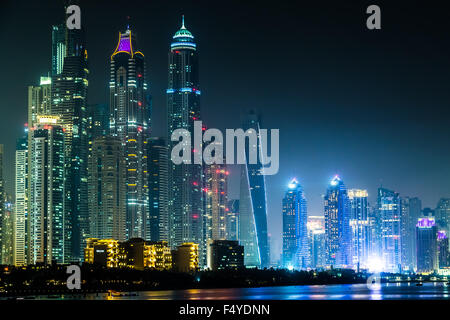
x=391, y=291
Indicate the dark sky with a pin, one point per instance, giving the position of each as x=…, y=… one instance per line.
x=372, y=106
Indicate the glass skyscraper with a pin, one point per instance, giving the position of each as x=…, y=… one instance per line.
x=254, y=181
x=426, y=239
x=158, y=225
x=389, y=209
x=337, y=225
x=186, y=199
x=129, y=121
x=47, y=235
x=21, y=201
x=360, y=227
x=107, y=189
x=296, y=251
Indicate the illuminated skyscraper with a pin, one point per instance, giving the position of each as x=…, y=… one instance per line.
x=426, y=239
x=7, y=245
x=389, y=208
x=186, y=202
x=443, y=214
x=247, y=227
x=69, y=85
x=337, y=224
x=47, y=236
x=107, y=189
x=411, y=211
x=255, y=182
x=443, y=250
x=21, y=201
x=58, y=48
x=296, y=251
x=129, y=121
x=360, y=224
x=233, y=220
x=158, y=225
x=216, y=178
x=2, y=202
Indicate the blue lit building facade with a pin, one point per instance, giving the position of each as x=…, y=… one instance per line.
x=296, y=251
x=186, y=199
x=389, y=210
x=427, y=250
x=360, y=227
x=257, y=188
x=337, y=225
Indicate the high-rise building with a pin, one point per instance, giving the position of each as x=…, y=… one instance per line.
x=129, y=121
x=337, y=225
x=2, y=200
x=186, y=198
x=426, y=239
x=360, y=227
x=216, y=178
x=247, y=227
x=225, y=254
x=389, y=208
x=69, y=87
x=296, y=251
x=21, y=201
x=255, y=181
x=7, y=245
x=47, y=232
x=411, y=211
x=107, y=189
x=232, y=219
x=59, y=47
x=158, y=224
x=98, y=120
x=443, y=250
x=442, y=212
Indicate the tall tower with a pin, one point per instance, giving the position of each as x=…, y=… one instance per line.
x=426, y=238
x=360, y=226
x=21, y=203
x=257, y=186
x=69, y=85
x=107, y=189
x=158, y=225
x=337, y=224
x=186, y=204
x=216, y=182
x=129, y=121
x=389, y=208
x=47, y=215
x=296, y=251
x=2, y=202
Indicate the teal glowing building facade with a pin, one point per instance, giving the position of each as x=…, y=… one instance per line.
x=296, y=250
x=186, y=198
x=389, y=210
x=337, y=225
x=253, y=196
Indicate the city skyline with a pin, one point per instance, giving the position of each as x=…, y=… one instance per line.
x=334, y=159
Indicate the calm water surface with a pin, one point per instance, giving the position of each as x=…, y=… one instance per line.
x=391, y=291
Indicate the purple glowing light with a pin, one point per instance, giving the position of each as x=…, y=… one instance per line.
x=442, y=235
x=124, y=44
x=425, y=223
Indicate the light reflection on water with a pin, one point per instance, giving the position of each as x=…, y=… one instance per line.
x=317, y=292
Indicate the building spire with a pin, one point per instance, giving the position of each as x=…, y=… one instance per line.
x=182, y=22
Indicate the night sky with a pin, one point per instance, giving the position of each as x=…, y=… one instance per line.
x=372, y=106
